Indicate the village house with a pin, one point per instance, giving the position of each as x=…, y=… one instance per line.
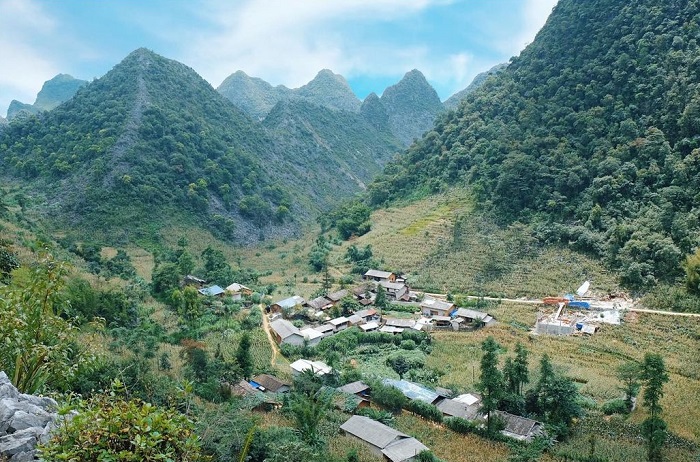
x=358, y=388
x=470, y=316
x=270, y=384
x=395, y=290
x=403, y=323
x=383, y=440
x=370, y=326
x=454, y=408
x=364, y=294
x=344, y=401
x=237, y=291
x=335, y=297
x=264, y=402
x=355, y=320
x=320, y=303
x=379, y=276
x=287, y=303
x=340, y=323
x=317, y=367
x=367, y=315
x=312, y=336
x=520, y=428
x=433, y=307
x=286, y=332
x=212, y=291
x=326, y=329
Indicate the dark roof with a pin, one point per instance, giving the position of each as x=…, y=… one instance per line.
x=319, y=303
x=473, y=314
x=270, y=382
x=354, y=387
x=336, y=296
x=519, y=427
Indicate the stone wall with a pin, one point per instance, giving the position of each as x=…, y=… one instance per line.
x=25, y=420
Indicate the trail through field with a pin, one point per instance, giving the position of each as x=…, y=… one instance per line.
x=273, y=344
x=539, y=302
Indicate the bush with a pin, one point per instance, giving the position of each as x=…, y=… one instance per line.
x=460, y=425
x=110, y=428
x=425, y=410
x=615, y=406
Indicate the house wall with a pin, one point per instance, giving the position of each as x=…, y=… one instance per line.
x=294, y=339
x=373, y=449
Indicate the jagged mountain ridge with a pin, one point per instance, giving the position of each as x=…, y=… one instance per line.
x=153, y=135
x=53, y=92
x=453, y=101
x=590, y=136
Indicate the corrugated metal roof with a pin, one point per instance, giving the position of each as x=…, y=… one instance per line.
x=291, y=302
x=369, y=326
x=336, y=296
x=404, y=449
x=270, y=382
x=457, y=409
x=434, y=304
x=366, y=313
x=284, y=328
x=400, y=322
x=211, y=291
x=519, y=427
x=472, y=314
x=375, y=433
x=378, y=274
x=339, y=321
x=413, y=390
x=318, y=367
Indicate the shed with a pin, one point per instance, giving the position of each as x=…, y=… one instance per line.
x=286, y=332
x=471, y=315
x=356, y=388
x=335, y=297
x=454, y=408
x=326, y=329
x=340, y=323
x=391, y=329
x=520, y=428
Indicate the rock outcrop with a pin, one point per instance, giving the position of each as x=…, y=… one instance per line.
x=25, y=420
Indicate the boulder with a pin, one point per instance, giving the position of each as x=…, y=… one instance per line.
x=18, y=442
x=22, y=420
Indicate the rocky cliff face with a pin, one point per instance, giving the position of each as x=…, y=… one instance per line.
x=25, y=421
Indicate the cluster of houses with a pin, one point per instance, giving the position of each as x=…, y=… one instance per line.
x=436, y=314
x=382, y=440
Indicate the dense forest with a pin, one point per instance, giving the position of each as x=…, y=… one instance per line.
x=591, y=136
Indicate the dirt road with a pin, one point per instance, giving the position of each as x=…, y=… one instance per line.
x=273, y=344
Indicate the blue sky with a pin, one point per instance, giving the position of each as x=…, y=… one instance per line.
x=373, y=43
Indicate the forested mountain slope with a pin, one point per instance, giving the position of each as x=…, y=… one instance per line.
x=453, y=101
x=591, y=135
x=152, y=144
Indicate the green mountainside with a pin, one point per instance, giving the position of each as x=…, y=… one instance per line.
x=330, y=90
x=374, y=112
x=453, y=101
x=54, y=92
x=151, y=144
x=591, y=135
x=252, y=95
x=412, y=105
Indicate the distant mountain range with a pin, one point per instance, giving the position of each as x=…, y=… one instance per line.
x=54, y=92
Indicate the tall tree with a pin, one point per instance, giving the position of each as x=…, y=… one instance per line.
x=520, y=367
x=628, y=374
x=654, y=376
x=243, y=356
x=491, y=380
x=381, y=301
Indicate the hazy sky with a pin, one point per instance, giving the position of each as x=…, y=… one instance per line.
x=370, y=42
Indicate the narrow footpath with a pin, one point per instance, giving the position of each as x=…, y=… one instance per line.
x=273, y=344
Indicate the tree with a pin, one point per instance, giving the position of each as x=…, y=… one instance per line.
x=490, y=381
x=308, y=413
x=521, y=372
x=185, y=263
x=38, y=347
x=654, y=376
x=165, y=278
x=628, y=374
x=244, y=358
x=381, y=301
x=399, y=364
x=8, y=261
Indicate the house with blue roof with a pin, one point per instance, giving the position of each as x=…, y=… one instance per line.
x=212, y=291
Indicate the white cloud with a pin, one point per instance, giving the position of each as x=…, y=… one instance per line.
x=24, y=67
x=289, y=41
x=534, y=16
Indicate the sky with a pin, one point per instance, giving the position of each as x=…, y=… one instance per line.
x=372, y=43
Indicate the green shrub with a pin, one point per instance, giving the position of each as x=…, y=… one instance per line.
x=111, y=428
x=615, y=406
x=425, y=410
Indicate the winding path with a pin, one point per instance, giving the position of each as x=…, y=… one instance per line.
x=273, y=344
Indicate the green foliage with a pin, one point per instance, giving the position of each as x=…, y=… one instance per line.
x=388, y=397
x=244, y=358
x=112, y=428
x=351, y=218
x=399, y=364
x=116, y=307
x=615, y=406
x=628, y=374
x=692, y=272
x=39, y=347
x=490, y=382
x=424, y=409
x=8, y=260
x=654, y=376
x=308, y=413
x=165, y=279
x=565, y=140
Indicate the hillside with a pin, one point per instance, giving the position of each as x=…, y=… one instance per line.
x=329, y=90
x=590, y=136
x=412, y=105
x=453, y=101
x=252, y=95
x=54, y=92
